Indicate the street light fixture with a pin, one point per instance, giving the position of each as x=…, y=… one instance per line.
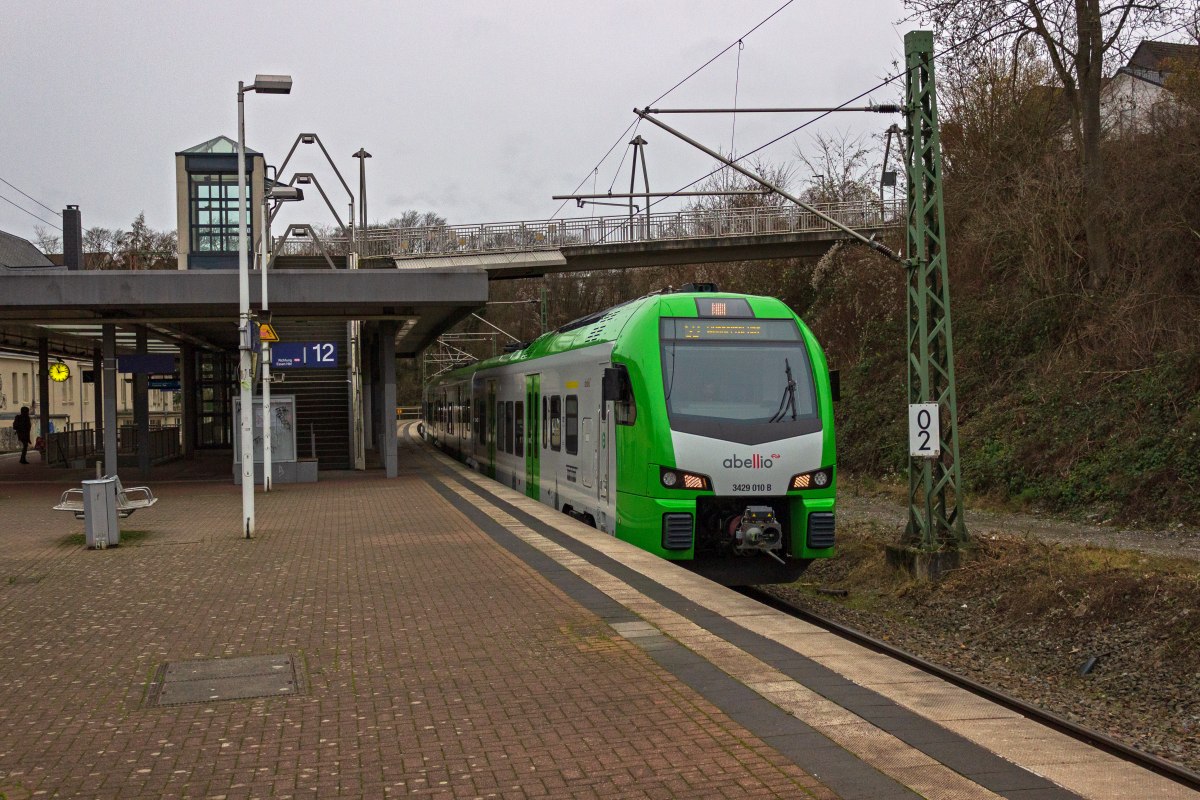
x=263, y=84
x=309, y=179
x=271, y=84
x=283, y=193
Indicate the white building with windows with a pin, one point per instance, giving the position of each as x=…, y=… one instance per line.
x=72, y=399
x=1138, y=89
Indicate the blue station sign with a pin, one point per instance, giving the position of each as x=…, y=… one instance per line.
x=306, y=355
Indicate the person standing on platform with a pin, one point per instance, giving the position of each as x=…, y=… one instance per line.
x=23, y=425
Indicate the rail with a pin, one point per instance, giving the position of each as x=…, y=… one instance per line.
x=509, y=237
x=1097, y=739
x=64, y=447
x=165, y=443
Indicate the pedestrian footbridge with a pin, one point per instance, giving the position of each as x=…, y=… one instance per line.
x=533, y=248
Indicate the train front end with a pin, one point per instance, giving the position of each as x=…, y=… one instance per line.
x=734, y=471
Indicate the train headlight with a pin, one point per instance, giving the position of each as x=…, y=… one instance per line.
x=817, y=479
x=680, y=479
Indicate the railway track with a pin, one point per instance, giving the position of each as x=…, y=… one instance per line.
x=1096, y=739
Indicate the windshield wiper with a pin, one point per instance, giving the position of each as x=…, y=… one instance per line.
x=789, y=395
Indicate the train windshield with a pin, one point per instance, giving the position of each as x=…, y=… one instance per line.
x=747, y=373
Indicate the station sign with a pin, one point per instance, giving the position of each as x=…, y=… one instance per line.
x=146, y=363
x=163, y=384
x=304, y=355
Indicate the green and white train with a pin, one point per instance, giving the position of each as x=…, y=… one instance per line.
x=697, y=425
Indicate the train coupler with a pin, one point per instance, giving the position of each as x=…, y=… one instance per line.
x=757, y=530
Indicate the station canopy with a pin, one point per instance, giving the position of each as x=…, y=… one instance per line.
x=200, y=307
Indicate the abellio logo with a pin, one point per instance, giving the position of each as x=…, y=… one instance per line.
x=754, y=461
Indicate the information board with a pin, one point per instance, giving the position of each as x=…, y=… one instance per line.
x=283, y=429
x=308, y=355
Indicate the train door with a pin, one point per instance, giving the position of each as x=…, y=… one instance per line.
x=490, y=469
x=586, y=443
x=606, y=461
x=533, y=427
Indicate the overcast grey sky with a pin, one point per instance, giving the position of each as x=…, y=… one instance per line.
x=479, y=111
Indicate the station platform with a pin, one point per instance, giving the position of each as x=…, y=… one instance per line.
x=438, y=635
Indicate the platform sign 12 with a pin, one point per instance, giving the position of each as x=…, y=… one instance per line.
x=307, y=355
x=924, y=430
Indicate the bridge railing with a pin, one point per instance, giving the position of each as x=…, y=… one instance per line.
x=504, y=237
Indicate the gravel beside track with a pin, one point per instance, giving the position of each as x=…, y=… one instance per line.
x=1144, y=688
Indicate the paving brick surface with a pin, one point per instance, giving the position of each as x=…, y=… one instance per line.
x=434, y=662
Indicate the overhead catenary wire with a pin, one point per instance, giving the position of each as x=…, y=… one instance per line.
x=737, y=80
x=621, y=163
x=30, y=213
x=34, y=199
x=690, y=75
x=877, y=87
x=793, y=131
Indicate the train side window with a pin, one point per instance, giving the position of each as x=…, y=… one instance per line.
x=500, y=425
x=508, y=426
x=451, y=412
x=556, y=423
x=624, y=409
x=467, y=418
x=545, y=422
x=519, y=428
x=572, y=415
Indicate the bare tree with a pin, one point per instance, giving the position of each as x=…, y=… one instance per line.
x=416, y=219
x=1076, y=36
x=100, y=247
x=142, y=247
x=841, y=169
x=46, y=241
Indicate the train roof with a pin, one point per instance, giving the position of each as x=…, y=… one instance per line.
x=606, y=326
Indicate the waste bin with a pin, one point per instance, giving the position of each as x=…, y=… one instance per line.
x=100, y=513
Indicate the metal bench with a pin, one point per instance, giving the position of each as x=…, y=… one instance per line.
x=72, y=500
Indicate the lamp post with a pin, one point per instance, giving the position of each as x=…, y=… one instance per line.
x=362, y=155
x=263, y=84
x=279, y=194
x=356, y=327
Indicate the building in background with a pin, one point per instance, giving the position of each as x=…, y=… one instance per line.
x=1133, y=94
x=72, y=400
x=16, y=252
x=206, y=185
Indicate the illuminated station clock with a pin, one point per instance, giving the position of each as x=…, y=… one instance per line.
x=59, y=372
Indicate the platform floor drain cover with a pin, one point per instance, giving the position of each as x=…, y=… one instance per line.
x=211, y=680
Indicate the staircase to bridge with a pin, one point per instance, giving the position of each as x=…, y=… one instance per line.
x=534, y=248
